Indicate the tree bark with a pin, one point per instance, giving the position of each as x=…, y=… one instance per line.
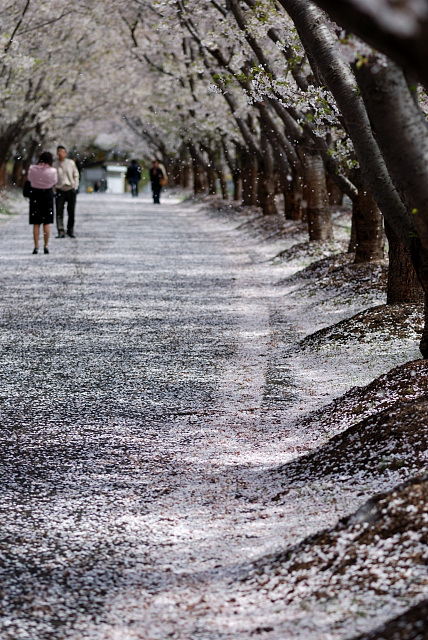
x=199, y=183
x=212, y=181
x=408, y=47
x=318, y=209
x=267, y=179
x=353, y=239
x=237, y=187
x=403, y=283
x=368, y=224
x=249, y=174
x=266, y=193
x=335, y=195
x=3, y=175
x=186, y=179
x=17, y=171
x=293, y=196
x=318, y=40
x=183, y=171
x=391, y=108
x=234, y=164
x=199, y=180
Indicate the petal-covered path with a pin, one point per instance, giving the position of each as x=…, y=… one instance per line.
x=144, y=398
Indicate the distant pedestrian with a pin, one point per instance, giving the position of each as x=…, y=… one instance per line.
x=65, y=191
x=41, y=178
x=133, y=175
x=157, y=179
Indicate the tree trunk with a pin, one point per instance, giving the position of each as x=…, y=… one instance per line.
x=17, y=171
x=403, y=283
x=237, y=185
x=409, y=49
x=293, y=198
x=267, y=179
x=3, y=175
x=353, y=239
x=212, y=181
x=393, y=116
x=392, y=108
x=175, y=173
x=318, y=209
x=184, y=170
x=223, y=186
x=401, y=133
x=369, y=238
x=198, y=168
x=322, y=46
x=199, y=183
x=335, y=195
x=30, y=151
x=249, y=179
x=266, y=193
x=186, y=176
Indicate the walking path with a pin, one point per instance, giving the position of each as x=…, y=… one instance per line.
x=143, y=403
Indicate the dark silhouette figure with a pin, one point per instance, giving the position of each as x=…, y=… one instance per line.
x=156, y=178
x=133, y=176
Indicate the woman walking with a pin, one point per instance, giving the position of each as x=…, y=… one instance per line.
x=42, y=177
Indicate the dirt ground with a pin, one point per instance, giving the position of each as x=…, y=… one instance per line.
x=211, y=430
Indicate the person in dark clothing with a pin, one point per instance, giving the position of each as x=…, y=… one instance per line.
x=133, y=176
x=156, y=178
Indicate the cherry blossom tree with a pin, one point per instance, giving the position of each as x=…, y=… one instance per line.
x=398, y=29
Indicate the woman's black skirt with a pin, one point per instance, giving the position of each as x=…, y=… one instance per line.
x=41, y=206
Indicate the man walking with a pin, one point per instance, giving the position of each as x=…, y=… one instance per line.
x=66, y=189
x=133, y=175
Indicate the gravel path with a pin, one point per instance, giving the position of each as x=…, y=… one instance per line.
x=144, y=398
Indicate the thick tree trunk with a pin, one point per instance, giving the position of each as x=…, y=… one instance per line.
x=237, y=185
x=234, y=165
x=28, y=159
x=353, y=239
x=266, y=193
x=267, y=179
x=322, y=47
x=369, y=237
x=18, y=171
x=249, y=179
x=293, y=196
x=186, y=176
x=335, y=195
x=223, y=185
x=184, y=170
x=199, y=182
x=403, y=283
x=3, y=175
x=212, y=181
x=392, y=108
x=408, y=47
x=198, y=168
x=175, y=174
x=318, y=208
